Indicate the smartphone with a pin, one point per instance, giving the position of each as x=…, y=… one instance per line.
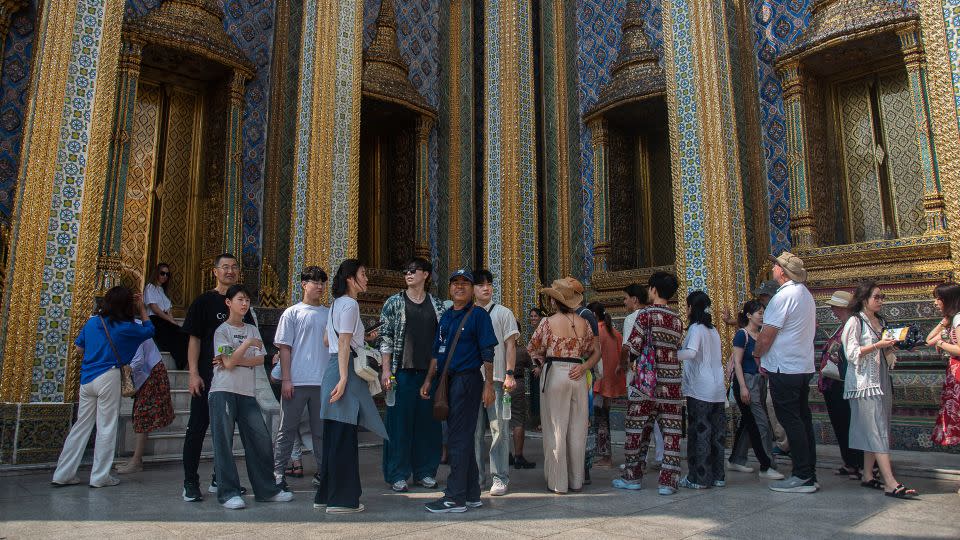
x=372, y=327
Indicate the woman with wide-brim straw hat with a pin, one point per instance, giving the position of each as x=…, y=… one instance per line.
x=560, y=343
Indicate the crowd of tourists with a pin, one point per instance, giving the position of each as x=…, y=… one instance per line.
x=451, y=371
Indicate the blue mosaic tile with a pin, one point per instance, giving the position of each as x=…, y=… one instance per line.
x=15, y=82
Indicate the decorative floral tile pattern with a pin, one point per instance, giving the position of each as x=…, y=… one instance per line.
x=15, y=82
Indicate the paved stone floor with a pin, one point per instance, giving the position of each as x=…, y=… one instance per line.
x=148, y=505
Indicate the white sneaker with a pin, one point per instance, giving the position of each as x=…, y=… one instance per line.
x=110, y=481
x=283, y=496
x=235, y=503
x=478, y=503
x=498, y=488
x=428, y=482
x=731, y=466
x=344, y=509
x=399, y=486
x=770, y=474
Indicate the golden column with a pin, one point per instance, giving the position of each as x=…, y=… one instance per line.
x=233, y=183
x=56, y=217
x=710, y=238
x=109, y=264
x=326, y=182
x=802, y=228
x=422, y=246
x=601, y=198
x=915, y=62
x=510, y=190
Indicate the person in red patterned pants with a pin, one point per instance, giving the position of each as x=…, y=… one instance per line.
x=659, y=327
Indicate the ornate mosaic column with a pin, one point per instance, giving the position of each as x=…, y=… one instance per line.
x=109, y=264
x=233, y=183
x=327, y=170
x=510, y=155
x=913, y=58
x=57, y=215
x=601, y=198
x=422, y=246
x=710, y=238
x=7, y=9
x=801, y=218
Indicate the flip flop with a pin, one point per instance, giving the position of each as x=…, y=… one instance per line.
x=873, y=483
x=901, y=492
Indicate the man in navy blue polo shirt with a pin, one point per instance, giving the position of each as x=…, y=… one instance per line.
x=474, y=351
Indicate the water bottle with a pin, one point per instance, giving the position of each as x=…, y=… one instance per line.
x=507, y=400
x=392, y=392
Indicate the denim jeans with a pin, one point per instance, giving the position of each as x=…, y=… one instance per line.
x=226, y=411
x=413, y=449
x=492, y=416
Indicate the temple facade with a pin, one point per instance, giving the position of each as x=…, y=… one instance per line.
x=604, y=139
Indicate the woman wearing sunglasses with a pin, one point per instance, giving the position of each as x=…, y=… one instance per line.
x=868, y=387
x=169, y=336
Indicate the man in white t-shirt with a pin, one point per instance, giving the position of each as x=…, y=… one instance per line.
x=785, y=350
x=504, y=358
x=303, y=361
x=635, y=299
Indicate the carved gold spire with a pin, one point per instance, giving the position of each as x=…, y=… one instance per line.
x=385, y=75
x=637, y=74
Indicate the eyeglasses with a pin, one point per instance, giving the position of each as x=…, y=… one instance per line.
x=314, y=282
x=226, y=268
x=879, y=296
x=162, y=273
x=411, y=270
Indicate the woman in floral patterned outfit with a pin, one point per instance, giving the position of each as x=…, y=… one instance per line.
x=944, y=337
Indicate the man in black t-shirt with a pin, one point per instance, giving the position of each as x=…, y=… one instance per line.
x=204, y=316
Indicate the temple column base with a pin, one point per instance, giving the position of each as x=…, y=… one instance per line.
x=33, y=433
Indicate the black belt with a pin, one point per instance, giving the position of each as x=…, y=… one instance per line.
x=549, y=361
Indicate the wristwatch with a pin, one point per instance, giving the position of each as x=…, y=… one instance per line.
x=509, y=372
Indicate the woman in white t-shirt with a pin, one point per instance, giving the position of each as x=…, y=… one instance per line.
x=169, y=337
x=350, y=404
x=704, y=389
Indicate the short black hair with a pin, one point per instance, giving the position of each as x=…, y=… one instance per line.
x=637, y=291
x=234, y=290
x=220, y=257
x=665, y=283
x=483, y=276
x=421, y=264
x=313, y=273
x=699, y=302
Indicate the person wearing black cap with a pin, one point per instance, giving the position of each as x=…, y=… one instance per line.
x=463, y=345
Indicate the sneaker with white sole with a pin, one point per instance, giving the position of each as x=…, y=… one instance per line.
x=686, y=483
x=400, y=486
x=283, y=496
x=474, y=504
x=71, y=482
x=719, y=483
x=345, y=509
x=666, y=490
x=794, y=485
x=731, y=466
x=110, y=481
x=498, y=488
x=191, y=492
x=770, y=474
x=428, y=482
x=621, y=483
x=444, y=506
x=235, y=503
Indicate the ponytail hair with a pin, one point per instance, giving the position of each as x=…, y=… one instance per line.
x=749, y=308
x=699, y=304
x=601, y=313
x=348, y=269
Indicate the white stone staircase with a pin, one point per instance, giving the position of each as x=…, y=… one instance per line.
x=166, y=444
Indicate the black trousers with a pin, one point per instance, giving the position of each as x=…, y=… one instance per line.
x=748, y=428
x=170, y=338
x=839, y=411
x=706, y=435
x=464, y=395
x=340, y=466
x=790, y=393
x=196, y=431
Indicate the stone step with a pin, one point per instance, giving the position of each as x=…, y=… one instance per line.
x=172, y=443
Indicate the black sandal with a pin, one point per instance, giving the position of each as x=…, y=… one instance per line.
x=843, y=471
x=901, y=492
x=873, y=483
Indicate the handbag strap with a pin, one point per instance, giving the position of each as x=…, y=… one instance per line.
x=456, y=339
x=109, y=340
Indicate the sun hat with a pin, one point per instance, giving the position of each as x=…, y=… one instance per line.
x=565, y=292
x=792, y=265
x=840, y=299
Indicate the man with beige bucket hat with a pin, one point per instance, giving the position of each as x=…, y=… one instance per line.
x=786, y=353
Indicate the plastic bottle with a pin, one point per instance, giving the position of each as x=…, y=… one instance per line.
x=507, y=401
x=392, y=392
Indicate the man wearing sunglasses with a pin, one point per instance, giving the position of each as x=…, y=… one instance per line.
x=785, y=350
x=409, y=323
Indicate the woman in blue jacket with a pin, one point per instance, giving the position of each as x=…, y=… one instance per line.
x=107, y=341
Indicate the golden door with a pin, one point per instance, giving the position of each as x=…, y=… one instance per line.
x=160, y=208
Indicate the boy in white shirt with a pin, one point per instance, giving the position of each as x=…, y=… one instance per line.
x=238, y=351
